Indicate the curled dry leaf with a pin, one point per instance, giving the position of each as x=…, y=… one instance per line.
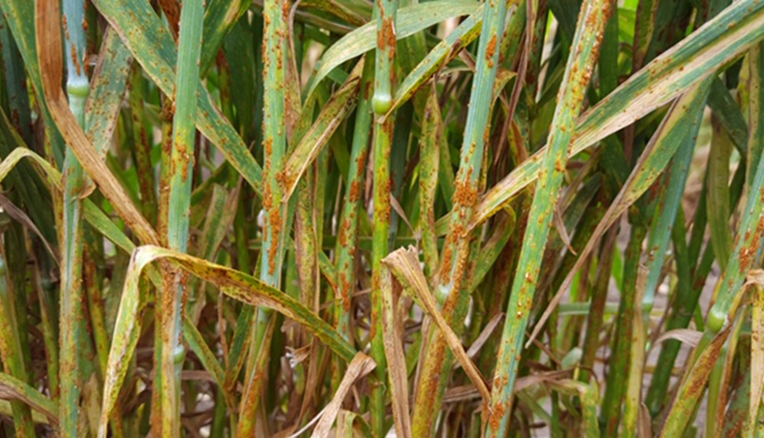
x=404, y=264
x=687, y=336
x=360, y=366
x=49, y=47
x=13, y=389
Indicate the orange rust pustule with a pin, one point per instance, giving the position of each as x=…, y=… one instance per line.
x=346, y=288
x=275, y=229
x=486, y=137
x=267, y=22
x=381, y=41
x=490, y=50
x=267, y=198
x=171, y=9
x=424, y=398
x=748, y=253
x=445, y=266
x=167, y=146
x=187, y=165
x=558, y=166
x=449, y=306
x=75, y=61
x=360, y=161
x=355, y=191
x=167, y=296
x=268, y=145
x=343, y=238
x=285, y=8
x=388, y=29
x=381, y=7
x=463, y=269
x=184, y=284
x=283, y=179
x=183, y=152
x=494, y=418
x=465, y=193
x=384, y=204
x=168, y=110
x=144, y=138
x=65, y=24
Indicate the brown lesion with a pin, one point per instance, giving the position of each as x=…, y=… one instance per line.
x=171, y=9
x=389, y=31
x=355, y=191
x=490, y=50
x=465, y=193
x=381, y=41
x=495, y=416
x=275, y=230
x=65, y=25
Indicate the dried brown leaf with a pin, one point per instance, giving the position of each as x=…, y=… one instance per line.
x=360, y=366
x=404, y=264
x=687, y=336
x=49, y=48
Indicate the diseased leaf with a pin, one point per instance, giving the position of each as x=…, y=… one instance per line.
x=411, y=20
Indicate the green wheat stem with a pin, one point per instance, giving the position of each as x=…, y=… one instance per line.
x=178, y=204
x=384, y=79
x=71, y=312
x=456, y=251
x=347, y=242
x=10, y=349
x=274, y=145
x=592, y=19
x=142, y=145
x=621, y=357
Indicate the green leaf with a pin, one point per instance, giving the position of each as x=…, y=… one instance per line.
x=141, y=29
x=717, y=198
x=578, y=70
x=106, y=91
x=411, y=20
x=674, y=130
x=331, y=117
x=729, y=34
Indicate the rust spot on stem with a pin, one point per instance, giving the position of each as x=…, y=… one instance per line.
x=490, y=50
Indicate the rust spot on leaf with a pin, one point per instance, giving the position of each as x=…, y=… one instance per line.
x=490, y=50
x=268, y=146
x=355, y=191
x=65, y=24
x=445, y=268
x=466, y=193
x=75, y=61
x=389, y=30
x=496, y=415
x=275, y=229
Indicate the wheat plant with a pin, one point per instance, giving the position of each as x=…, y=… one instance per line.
x=410, y=218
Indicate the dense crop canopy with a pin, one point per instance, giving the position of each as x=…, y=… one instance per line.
x=410, y=218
